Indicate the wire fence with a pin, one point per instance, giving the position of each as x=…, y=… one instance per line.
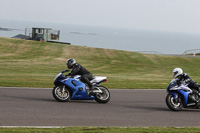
x=149, y=52
x=192, y=51
x=187, y=52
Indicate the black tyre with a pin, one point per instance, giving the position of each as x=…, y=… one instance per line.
x=174, y=105
x=61, y=94
x=103, y=97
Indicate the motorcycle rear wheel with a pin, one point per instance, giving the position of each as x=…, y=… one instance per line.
x=60, y=95
x=103, y=97
x=174, y=105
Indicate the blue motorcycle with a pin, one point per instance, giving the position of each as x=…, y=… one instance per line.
x=181, y=96
x=71, y=88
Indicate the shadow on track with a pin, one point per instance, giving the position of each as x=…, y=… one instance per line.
x=83, y=101
x=51, y=100
x=162, y=109
x=148, y=108
x=34, y=99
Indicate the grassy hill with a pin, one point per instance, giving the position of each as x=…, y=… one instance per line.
x=27, y=63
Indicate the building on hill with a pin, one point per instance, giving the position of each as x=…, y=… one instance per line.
x=42, y=34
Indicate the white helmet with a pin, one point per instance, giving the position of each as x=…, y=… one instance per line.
x=177, y=72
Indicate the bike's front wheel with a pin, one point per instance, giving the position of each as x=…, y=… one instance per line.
x=61, y=94
x=174, y=104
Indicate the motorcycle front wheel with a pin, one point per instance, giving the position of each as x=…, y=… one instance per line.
x=103, y=97
x=61, y=94
x=174, y=105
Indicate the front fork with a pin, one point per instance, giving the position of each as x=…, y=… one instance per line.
x=175, y=95
x=62, y=89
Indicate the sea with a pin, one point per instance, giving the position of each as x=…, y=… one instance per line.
x=136, y=40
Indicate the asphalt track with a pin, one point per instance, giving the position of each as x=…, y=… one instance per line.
x=127, y=108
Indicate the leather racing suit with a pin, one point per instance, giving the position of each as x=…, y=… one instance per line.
x=192, y=84
x=86, y=76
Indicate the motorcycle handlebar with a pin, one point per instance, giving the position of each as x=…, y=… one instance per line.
x=65, y=71
x=67, y=75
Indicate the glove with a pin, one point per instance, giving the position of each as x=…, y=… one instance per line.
x=68, y=74
x=178, y=82
x=68, y=70
x=63, y=71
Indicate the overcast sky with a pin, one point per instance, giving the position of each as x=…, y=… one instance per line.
x=167, y=15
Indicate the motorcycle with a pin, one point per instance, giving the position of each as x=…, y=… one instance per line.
x=181, y=96
x=71, y=88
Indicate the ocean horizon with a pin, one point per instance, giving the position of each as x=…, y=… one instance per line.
x=111, y=38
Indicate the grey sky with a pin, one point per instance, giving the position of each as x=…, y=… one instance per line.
x=167, y=15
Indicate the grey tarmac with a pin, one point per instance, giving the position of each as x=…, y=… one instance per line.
x=127, y=108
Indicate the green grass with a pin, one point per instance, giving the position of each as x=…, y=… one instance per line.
x=25, y=63
x=102, y=130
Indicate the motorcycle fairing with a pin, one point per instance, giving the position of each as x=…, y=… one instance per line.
x=180, y=89
x=78, y=89
x=184, y=94
x=185, y=97
x=58, y=78
x=98, y=79
x=95, y=80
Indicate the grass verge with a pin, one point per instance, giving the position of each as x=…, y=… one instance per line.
x=103, y=130
x=25, y=63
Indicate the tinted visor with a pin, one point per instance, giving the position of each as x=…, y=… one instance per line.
x=175, y=73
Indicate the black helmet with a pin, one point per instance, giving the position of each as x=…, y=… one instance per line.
x=70, y=63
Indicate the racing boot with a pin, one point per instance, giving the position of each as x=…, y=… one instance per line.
x=192, y=97
x=198, y=105
x=198, y=102
x=90, y=91
x=196, y=98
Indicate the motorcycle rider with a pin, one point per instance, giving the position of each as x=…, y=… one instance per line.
x=185, y=78
x=78, y=69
